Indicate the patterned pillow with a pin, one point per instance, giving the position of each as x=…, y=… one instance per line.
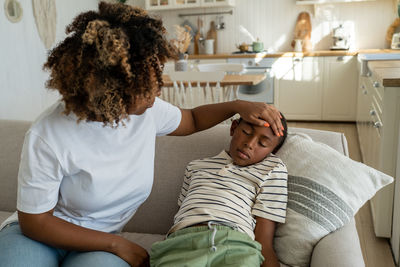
x=325, y=190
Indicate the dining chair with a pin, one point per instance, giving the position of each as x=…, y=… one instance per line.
x=229, y=92
x=193, y=88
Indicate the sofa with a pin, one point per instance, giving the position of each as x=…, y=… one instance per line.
x=155, y=216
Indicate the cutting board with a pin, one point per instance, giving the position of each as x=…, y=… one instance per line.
x=303, y=30
x=212, y=34
x=198, y=36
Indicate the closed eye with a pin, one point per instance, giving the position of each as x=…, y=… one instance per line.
x=263, y=144
x=246, y=132
x=265, y=141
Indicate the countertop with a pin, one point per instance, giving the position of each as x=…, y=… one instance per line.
x=387, y=70
x=293, y=54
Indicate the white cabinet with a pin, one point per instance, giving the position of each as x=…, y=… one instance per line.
x=339, y=88
x=217, y=3
x=378, y=115
x=395, y=240
x=298, y=87
x=316, y=88
x=315, y=2
x=179, y=4
x=158, y=4
x=171, y=4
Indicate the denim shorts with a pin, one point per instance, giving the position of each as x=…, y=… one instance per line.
x=17, y=250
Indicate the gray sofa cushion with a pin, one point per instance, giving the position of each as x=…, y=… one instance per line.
x=341, y=248
x=12, y=135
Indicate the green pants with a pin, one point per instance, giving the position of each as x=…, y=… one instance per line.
x=200, y=246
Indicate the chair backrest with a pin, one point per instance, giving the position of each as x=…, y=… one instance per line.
x=225, y=67
x=230, y=92
x=194, y=88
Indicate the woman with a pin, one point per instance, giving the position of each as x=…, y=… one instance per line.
x=87, y=162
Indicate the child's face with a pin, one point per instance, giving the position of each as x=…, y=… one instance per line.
x=251, y=144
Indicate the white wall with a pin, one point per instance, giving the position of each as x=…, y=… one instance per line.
x=22, y=91
x=22, y=81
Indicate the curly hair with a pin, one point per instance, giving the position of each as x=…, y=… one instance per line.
x=105, y=63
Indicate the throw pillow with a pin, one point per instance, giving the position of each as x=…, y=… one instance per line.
x=325, y=190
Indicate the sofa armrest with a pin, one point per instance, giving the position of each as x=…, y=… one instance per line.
x=340, y=248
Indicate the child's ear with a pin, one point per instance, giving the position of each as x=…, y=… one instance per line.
x=234, y=124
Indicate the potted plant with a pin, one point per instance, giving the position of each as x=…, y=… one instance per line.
x=181, y=44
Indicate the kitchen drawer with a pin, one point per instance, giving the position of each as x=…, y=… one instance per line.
x=377, y=85
x=378, y=105
x=375, y=146
x=365, y=90
x=376, y=118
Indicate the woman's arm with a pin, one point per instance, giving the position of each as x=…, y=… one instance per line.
x=264, y=234
x=56, y=232
x=206, y=116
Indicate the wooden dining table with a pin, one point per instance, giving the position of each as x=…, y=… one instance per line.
x=229, y=79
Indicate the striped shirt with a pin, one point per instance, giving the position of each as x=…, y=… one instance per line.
x=216, y=189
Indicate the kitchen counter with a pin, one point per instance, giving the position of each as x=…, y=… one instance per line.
x=387, y=70
x=328, y=53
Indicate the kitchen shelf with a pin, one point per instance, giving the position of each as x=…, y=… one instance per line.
x=320, y=2
x=159, y=5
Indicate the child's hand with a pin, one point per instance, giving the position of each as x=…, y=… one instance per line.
x=262, y=114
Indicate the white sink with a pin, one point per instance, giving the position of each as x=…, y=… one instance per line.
x=380, y=56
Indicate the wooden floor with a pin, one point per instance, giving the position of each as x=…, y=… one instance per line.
x=376, y=251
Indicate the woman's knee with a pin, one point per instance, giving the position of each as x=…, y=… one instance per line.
x=19, y=250
x=93, y=259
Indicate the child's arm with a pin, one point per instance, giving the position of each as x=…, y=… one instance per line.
x=264, y=234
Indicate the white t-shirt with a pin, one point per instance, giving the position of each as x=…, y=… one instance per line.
x=94, y=176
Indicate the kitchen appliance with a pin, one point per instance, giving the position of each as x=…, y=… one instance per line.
x=396, y=41
x=262, y=92
x=340, y=38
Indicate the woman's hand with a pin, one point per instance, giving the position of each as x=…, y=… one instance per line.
x=132, y=253
x=261, y=114
x=206, y=116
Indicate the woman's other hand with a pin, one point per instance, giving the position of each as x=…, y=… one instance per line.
x=130, y=252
